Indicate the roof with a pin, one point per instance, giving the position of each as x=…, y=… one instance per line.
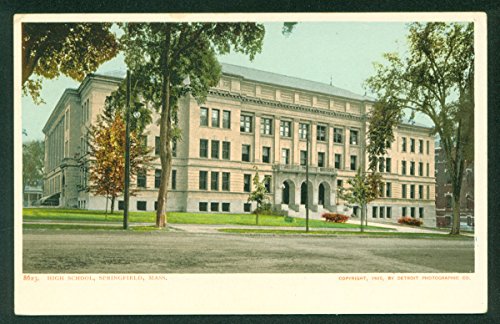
x=252, y=74
x=291, y=82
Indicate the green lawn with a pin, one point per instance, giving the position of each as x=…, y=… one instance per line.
x=370, y=234
x=63, y=215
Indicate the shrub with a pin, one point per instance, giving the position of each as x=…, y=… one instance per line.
x=334, y=217
x=410, y=221
x=268, y=209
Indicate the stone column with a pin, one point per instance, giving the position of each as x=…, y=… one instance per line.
x=330, y=158
x=276, y=158
x=295, y=142
x=347, y=155
x=313, y=159
x=256, y=139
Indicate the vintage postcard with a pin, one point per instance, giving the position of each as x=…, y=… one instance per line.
x=250, y=163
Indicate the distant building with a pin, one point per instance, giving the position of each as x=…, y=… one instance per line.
x=251, y=118
x=31, y=195
x=444, y=193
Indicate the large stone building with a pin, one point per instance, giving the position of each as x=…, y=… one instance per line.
x=251, y=118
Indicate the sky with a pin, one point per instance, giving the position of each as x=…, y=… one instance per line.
x=338, y=52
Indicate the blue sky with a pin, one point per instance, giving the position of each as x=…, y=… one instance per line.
x=341, y=52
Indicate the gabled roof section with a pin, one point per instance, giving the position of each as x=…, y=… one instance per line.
x=59, y=106
x=290, y=82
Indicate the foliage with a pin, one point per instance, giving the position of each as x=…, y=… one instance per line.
x=33, y=162
x=107, y=150
x=163, y=56
x=72, y=49
x=259, y=195
x=334, y=217
x=410, y=221
x=362, y=189
x=436, y=79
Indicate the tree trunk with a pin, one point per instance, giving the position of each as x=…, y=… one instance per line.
x=363, y=216
x=457, y=169
x=165, y=135
x=112, y=204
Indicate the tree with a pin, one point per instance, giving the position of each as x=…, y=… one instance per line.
x=107, y=150
x=33, y=161
x=436, y=79
x=161, y=56
x=259, y=194
x=73, y=49
x=363, y=189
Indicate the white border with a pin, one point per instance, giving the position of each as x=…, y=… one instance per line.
x=262, y=293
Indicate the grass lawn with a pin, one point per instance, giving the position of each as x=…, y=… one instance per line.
x=65, y=215
x=351, y=233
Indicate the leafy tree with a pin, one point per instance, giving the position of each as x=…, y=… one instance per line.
x=362, y=189
x=161, y=56
x=33, y=161
x=259, y=194
x=73, y=49
x=107, y=150
x=436, y=78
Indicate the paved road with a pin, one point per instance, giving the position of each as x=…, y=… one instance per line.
x=89, y=251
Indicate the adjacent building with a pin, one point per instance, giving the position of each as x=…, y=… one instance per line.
x=251, y=118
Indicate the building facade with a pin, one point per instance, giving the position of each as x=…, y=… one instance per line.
x=251, y=119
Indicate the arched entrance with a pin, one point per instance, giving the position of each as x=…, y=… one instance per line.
x=288, y=192
x=306, y=193
x=324, y=194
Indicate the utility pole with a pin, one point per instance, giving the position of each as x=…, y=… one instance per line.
x=307, y=179
x=126, y=195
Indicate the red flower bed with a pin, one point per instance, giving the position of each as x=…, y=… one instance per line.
x=335, y=218
x=410, y=221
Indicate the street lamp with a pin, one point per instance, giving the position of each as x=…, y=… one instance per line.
x=307, y=179
x=126, y=194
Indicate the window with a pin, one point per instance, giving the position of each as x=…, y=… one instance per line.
x=214, y=180
x=381, y=164
x=403, y=211
x=226, y=150
x=388, y=165
x=141, y=205
x=412, y=191
x=226, y=119
x=339, y=183
x=421, y=146
x=420, y=192
x=403, y=191
x=157, y=145
x=203, y=180
x=303, y=157
x=203, y=206
x=157, y=178
x=420, y=169
x=321, y=159
x=303, y=129
x=141, y=178
x=174, y=180
x=353, y=137
x=226, y=207
x=285, y=127
x=412, y=168
x=421, y=212
x=214, y=206
x=226, y=179
x=428, y=192
x=174, y=148
x=203, y=148
x=338, y=134
x=427, y=170
x=245, y=124
x=215, y=117
x=121, y=205
x=156, y=205
x=245, y=153
x=338, y=159
x=382, y=212
x=247, y=207
x=267, y=183
x=266, y=154
x=353, y=162
x=215, y=149
x=285, y=156
x=266, y=126
x=388, y=189
x=247, y=178
x=388, y=213
x=412, y=212
x=427, y=146
x=412, y=145
x=374, y=212
x=203, y=116
x=403, y=167
x=321, y=133
x=403, y=144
